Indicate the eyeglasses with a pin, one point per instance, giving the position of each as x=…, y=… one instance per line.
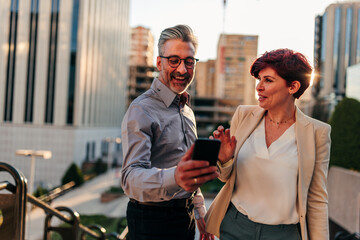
x=175, y=61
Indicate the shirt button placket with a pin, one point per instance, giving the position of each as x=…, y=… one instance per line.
x=181, y=111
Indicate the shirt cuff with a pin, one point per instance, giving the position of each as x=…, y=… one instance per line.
x=169, y=182
x=227, y=164
x=199, y=205
x=199, y=212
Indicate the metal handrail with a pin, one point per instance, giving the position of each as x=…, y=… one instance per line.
x=124, y=233
x=20, y=190
x=100, y=229
x=3, y=185
x=53, y=194
x=49, y=210
x=343, y=235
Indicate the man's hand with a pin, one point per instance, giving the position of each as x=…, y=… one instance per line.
x=203, y=234
x=189, y=174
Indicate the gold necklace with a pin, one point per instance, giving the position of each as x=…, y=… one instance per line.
x=280, y=122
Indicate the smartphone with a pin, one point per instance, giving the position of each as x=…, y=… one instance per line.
x=207, y=149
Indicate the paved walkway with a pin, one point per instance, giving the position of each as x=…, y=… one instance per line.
x=84, y=200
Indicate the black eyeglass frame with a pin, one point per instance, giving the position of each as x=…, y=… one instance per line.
x=183, y=59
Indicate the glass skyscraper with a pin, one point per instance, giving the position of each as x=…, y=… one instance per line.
x=63, y=78
x=337, y=46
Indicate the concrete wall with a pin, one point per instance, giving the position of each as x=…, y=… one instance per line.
x=344, y=198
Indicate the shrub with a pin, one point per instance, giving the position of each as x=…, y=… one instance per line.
x=213, y=186
x=73, y=173
x=100, y=167
x=345, y=134
x=115, y=189
x=40, y=191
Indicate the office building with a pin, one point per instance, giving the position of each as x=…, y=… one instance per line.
x=336, y=47
x=353, y=82
x=142, y=47
x=210, y=112
x=64, y=69
x=205, y=79
x=235, y=55
x=140, y=80
x=224, y=83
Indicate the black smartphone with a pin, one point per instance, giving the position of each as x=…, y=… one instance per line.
x=206, y=149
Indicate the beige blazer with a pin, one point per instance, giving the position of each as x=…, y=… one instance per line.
x=313, y=145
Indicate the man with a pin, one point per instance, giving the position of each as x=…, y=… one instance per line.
x=158, y=131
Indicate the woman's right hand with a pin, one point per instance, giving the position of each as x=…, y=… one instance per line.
x=228, y=144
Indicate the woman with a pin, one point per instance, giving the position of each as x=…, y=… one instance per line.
x=274, y=160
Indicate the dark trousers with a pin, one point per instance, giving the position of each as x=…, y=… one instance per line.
x=236, y=225
x=160, y=223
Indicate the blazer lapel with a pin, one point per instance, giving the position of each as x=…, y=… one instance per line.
x=247, y=126
x=306, y=156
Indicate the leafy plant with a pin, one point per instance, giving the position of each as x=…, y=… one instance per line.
x=40, y=191
x=100, y=167
x=213, y=186
x=110, y=224
x=345, y=134
x=115, y=189
x=73, y=173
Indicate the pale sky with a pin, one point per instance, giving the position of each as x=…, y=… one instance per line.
x=278, y=23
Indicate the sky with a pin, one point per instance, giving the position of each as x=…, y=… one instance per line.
x=277, y=23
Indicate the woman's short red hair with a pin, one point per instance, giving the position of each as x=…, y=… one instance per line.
x=288, y=64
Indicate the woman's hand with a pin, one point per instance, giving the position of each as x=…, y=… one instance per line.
x=228, y=144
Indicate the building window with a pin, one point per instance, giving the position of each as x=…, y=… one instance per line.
x=104, y=148
x=29, y=99
x=358, y=39
x=336, y=48
x=51, y=76
x=72, y=73
x=93, y=150
x=87, y=152
x=348, y=28
x=323, y=50
x=10, y=69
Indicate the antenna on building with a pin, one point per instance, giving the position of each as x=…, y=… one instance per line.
x=224, y=13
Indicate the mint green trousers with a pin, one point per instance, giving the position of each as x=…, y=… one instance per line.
x=237, y=226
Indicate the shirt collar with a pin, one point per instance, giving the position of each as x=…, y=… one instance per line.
x=185, y=99
x=169, y=96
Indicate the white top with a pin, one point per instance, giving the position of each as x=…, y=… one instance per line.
x=266, y=180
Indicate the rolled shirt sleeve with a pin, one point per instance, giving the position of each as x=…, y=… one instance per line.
x=199, y=205
x=139, y=179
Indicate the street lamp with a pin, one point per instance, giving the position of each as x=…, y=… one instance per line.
x=33, y=154
x=109, y=140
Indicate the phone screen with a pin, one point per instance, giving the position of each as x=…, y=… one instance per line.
x=206, y=149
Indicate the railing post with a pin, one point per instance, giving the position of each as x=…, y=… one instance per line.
x=96, y=228
x=13, y=205
x=70, y=232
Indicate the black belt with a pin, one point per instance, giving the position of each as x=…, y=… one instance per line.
x=180, y=203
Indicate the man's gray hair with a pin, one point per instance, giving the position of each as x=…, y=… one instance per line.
x=181, y=32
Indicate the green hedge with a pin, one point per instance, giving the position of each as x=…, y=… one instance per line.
x=345, y=134
x=100, y=166
x=73, y=173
